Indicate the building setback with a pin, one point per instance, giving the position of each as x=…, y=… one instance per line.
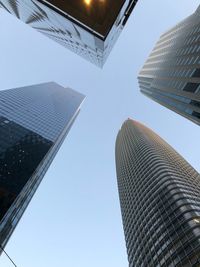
x=34, y=121
x=160, y=200
x=87, y=27
x=171, y=74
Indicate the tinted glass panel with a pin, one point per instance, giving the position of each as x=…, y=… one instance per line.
x=99, y=15
x=191, y=87
x=21, y=151
x=195, y=103
x=196, y=74
x=196, y=114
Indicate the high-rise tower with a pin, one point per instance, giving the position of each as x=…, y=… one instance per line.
x=87, y=27
x=34, y=121
x=160, y=200
x=171, y=74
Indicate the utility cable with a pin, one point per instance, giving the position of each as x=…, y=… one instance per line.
x=8, y=256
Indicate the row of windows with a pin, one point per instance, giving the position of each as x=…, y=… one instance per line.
x=158, y=217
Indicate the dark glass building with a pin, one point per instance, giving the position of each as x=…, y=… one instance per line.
x=34, y=121
x=88, y=27
x=160, y=200
x=171, y=74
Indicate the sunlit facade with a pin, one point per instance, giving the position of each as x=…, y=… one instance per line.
x=171, y=74
x=34, y=121
x=87, y=27
x=160, y=200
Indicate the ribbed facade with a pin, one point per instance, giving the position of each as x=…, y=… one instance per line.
x=68, y=30
x=171, y=74
x=160, y=200
x=34, y=121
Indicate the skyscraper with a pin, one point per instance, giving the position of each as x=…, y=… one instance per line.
x=87, y=27
x=171, y=74
x=34, y=121
x=160, y=200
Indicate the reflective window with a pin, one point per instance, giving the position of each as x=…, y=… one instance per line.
x=21, y=151
x=191, y=87
x=196, y=74
x=99, y=15
x=196, y=114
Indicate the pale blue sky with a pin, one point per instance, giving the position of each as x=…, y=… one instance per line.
x=74, y=219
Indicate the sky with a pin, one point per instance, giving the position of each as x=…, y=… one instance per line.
x=74, y=219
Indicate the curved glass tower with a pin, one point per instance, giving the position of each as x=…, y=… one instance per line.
x=160, y=200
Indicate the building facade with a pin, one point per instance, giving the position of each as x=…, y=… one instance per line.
x=171, y=74
x=34, y=121
x=87, y=27
x=160, y=200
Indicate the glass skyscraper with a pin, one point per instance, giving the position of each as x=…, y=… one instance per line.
x=87, y=27
x=160, y=200
x=171, y=74
x=34, y=121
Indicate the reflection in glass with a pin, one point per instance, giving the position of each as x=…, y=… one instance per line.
x=99, y=15
x=21, y=151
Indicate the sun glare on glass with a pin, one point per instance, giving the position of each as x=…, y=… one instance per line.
x=88, y=2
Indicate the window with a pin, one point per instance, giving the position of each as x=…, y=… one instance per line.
x=191, y=87
x=196, y=114
x=196, y=74
x=195, y=103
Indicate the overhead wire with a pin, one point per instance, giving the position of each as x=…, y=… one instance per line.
x=8, y=256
